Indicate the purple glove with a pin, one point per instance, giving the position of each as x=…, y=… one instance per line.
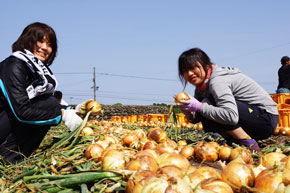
x=189, y=106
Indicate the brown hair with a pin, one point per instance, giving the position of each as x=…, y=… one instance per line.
x=33, y=33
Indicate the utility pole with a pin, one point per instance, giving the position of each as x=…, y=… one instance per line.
x=94, y=79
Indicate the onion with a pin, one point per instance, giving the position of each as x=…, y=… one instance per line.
x=268, y=180
x=206, y=151
x=94, y=151
x=135, y=179
x=242, y=153
x=238, y=174
x=175, y=159
x=171, y=143
x=200, y=174
x=143, y=162
x=113, y=159
x=187, y=151
x=214, y=185
x=131, y=140
x=182, y=96
x=164, y=148
x=94, y=106
x=171, y=171
x=224, y=152
x=87, y=131
x=157, y=134
x=269, y=159
x=150, y=145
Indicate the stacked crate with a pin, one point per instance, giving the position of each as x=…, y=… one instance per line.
x=283, y=105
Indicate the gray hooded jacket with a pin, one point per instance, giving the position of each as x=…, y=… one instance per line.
x=226, y=85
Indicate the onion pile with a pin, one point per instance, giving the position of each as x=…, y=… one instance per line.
x=242, y=153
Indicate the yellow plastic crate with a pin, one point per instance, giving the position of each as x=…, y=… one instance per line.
x=283, y=98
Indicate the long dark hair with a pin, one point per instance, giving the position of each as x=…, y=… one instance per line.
x=33, y=33
x=189, y=59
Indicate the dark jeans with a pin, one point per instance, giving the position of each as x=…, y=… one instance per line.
x=18, y=140
x=256, y=122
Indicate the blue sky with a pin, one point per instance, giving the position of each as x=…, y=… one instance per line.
x=134, y=45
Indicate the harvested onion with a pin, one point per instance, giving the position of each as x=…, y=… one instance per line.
x=175, y=159
x=206, y=151
x=94, y=151
x=143, y=162
x=182, y=96
x=225, y=152
x=269, y=159
x=113, y=159
x=242, y=153
x=187, y=151
x=87, y=131
x=94, y=106
x=157, y=134
x=238, y=174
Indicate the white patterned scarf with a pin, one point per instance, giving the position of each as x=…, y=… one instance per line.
x=45, y=82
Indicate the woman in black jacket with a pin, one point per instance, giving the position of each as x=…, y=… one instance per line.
x=27, y=105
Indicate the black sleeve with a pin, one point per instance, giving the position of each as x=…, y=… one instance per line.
x=43, y=110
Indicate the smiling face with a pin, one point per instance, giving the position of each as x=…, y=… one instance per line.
x=42, y=49
x=196, y=75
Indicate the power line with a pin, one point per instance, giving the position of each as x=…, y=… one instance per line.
x=119, y=75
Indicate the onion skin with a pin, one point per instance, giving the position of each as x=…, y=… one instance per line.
x=215, y=185
x=200, y=174
x=157, y=134
x=286, y=160
x=113, y=159
x=238, y=174
x=164, y=148
x=175, y=159
x=143, y=162
x=94, y=106
x=182, y=96
x=206, y=151
x=242, y=153
x=171, y=171
x=135, y=179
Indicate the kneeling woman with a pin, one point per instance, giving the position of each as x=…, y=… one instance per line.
x=226, y=101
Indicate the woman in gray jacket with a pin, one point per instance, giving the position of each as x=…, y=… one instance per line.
x=226, y=101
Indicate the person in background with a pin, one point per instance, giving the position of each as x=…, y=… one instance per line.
x=27, y=106
x=58, y=95
x=284, y=76
x=226, y=101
